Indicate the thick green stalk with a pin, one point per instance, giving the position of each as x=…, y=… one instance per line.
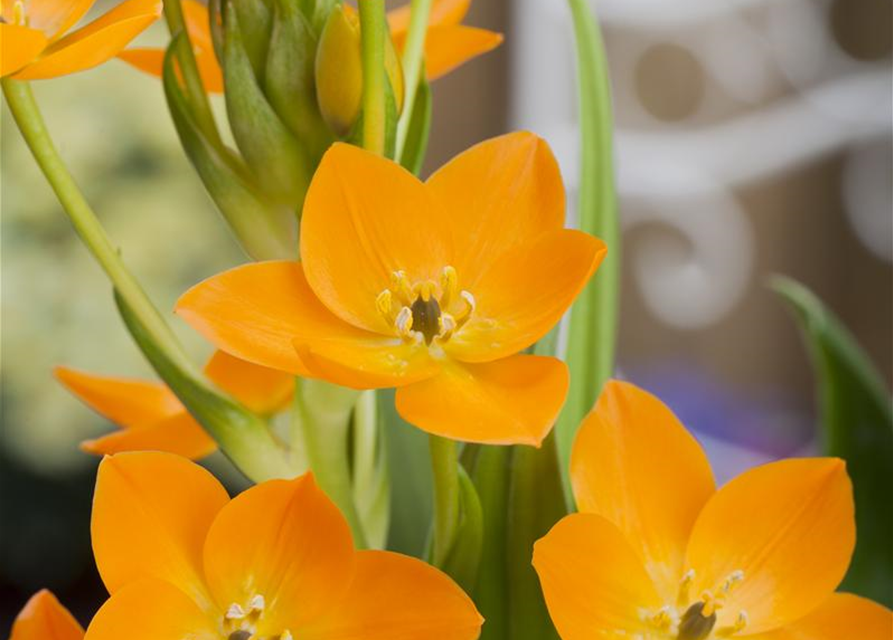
x=323, y=411
x=445, y=467
x=593, y=324
x=373, y=31
x=242, y=436
x=413, y=67
x=195, y=89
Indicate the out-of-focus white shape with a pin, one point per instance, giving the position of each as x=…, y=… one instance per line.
x=669, y=14
x=779, y=138
x=798, y=33
x=692, y=281
x=737, y=58
x=868, y=196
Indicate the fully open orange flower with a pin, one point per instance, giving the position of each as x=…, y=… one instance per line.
x=152, y=418
x=656, y=552
x=43, y=618
x=34, y=44
x=182, y=560
x=433, y=288
x=448, y=43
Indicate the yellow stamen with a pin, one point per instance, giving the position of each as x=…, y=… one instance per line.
x=19, y=17
x=401, y=287
x=685, y=587
x=384, y=303
x=450, y=286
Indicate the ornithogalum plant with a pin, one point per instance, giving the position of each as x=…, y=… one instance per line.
x=453, y=291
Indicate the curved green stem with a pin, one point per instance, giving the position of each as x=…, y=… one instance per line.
x=30, y=122
x=412, y=67
x=373, y=30
x=243, y=436
x=445, y=467
x=593, y=325
x=195, y=89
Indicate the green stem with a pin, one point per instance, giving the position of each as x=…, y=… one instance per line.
x=30, y=122
x=593, y=325
x=412, y=66
x=195, y=88
x=324, y=412
x=445, y=467
x=373, y=30
x=241, y=435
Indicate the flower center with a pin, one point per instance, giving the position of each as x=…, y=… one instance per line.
x=240, y=622
x=425, y=311
x=699, y=618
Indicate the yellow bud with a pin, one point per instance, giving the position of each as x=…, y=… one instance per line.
x=339, y=70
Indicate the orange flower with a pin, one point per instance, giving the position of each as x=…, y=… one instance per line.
x=431, y=287
x=656, y=552
x=448, y=43
x=151, y=60
x=43, y=618
x=182, y=560
x=151, y=416
x=34, y=44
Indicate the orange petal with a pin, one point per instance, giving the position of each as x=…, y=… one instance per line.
x=788, y=527
x=283, y=540
x=634, y=464
x=255, y=312
x=151, y=610
x=841, y=616
x=95, y=43
x=53, y=17
x=593, y=582
x=43, y=618
x=261, y=389
x=373, y=364
x=442, y=12
x=365, y=218
x=501, y=193
x=179, y=434
x=151, y=513
x=525, y=293
x=510, y=401
x=449, y=47
x=126, y=402
x=18, y=46
x=198, y=24
x=394, y=596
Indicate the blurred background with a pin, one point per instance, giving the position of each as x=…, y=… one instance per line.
x=753, y=137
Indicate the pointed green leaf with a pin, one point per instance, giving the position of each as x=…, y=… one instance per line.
x=857, y=425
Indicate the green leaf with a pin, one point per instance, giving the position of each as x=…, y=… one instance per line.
x=419, y=130
x=593, y=324
x=465, y=555
x=412, y=485
x=490, y=472
x=536, y=503
x=264, y=230
x=857, y=425
x=244, y=437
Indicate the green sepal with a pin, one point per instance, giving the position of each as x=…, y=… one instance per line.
x=465, y=555
x=264, y=230
x=275, y=156
x=255, y=19
x=244, y=437
x=419, y=129
x=215, y=24
x=857, y=425
x=536, y=503
x=289, y=83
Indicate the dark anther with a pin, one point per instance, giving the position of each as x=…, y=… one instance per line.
x=694, y=625
x=239, y=635
x=426, y=317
